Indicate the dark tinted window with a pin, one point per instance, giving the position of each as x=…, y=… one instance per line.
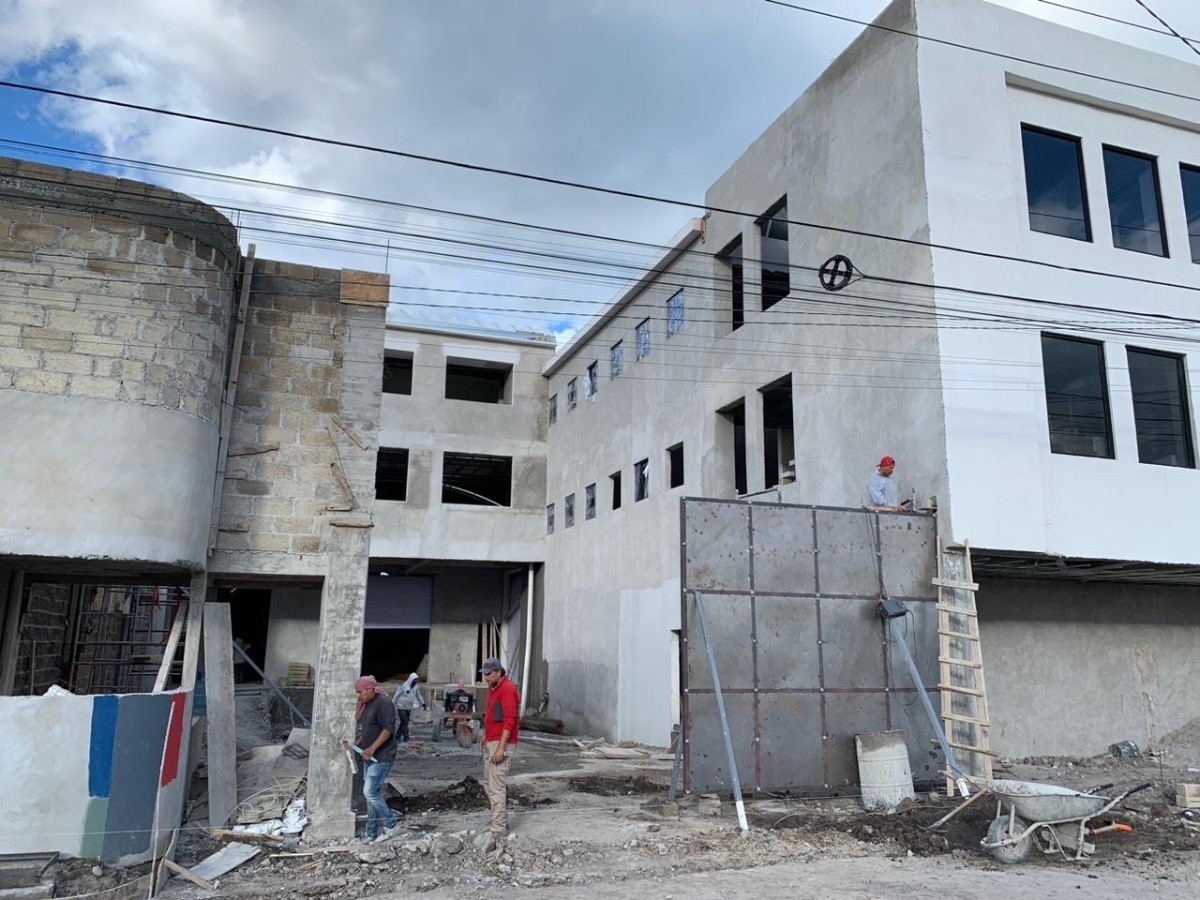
x=397, y=374
x=1133, y=202
x=477, y=382
x=1054, y=184
x=1160, y=408
x=391, y=474
x=1191, y=204
x=1076, y=397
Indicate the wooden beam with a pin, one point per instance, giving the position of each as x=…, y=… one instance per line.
x=164, y=668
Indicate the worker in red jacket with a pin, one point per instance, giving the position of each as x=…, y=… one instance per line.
x=500, y=721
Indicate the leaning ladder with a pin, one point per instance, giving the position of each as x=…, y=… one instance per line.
x=964, y=697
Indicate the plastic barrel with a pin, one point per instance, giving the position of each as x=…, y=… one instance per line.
x=883, y=770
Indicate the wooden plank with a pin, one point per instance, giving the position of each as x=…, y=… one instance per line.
x=969, y=720
x=224, y=860
x=183, y=872
x=956, y=689
x=164, y=668
x=957, y=634
x=222, y=744
x=956, y=585
x=970, y=664
x=197, y=593
x=972, y=748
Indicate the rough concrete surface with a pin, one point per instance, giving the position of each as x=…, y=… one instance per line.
x=595, y=827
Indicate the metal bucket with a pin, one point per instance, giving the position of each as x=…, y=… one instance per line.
x=883, y=770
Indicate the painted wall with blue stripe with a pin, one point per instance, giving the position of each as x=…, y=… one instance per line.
x=93, y=776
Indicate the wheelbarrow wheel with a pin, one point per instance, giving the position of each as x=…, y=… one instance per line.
x=1004, y=828
x=436, y=733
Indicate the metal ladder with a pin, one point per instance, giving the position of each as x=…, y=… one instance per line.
x=960, y=659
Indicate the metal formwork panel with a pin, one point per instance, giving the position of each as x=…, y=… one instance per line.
x=925, y=756
x=717, y=546
x=785, y=560
x=846, y=552
x=790, y=596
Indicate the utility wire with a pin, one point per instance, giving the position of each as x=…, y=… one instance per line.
x=1187, y=43
x=1114, y=19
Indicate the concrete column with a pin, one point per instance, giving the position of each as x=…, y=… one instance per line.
x=343, y=601
x=756, y=477
x=752, y=250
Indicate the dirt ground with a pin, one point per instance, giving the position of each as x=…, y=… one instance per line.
x=598, y=828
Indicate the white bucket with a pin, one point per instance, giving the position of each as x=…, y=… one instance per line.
x=883, y=770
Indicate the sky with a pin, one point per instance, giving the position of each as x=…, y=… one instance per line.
x=649, y=96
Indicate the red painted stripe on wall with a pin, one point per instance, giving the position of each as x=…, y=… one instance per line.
x=170, y=766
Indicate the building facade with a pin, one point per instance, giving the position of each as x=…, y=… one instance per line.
x=979, y=265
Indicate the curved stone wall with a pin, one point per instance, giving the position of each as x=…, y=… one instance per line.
x=116, y=302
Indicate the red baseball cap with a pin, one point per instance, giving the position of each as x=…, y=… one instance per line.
x=886, y=461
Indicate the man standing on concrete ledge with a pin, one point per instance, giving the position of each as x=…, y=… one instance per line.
x=882, y=493
x=500, y=721
x=377, y=726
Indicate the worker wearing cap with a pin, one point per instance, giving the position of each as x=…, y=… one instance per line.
x=376, y=720
x=882, y=493
x=500, y=721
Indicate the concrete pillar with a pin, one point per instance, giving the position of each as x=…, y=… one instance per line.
x=756, y=473
x=339, y=659
x=752, y=250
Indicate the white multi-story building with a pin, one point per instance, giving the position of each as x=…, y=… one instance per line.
x=1020, y=206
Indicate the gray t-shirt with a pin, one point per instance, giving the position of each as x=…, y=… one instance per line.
x=379, y=715
x=882, y=491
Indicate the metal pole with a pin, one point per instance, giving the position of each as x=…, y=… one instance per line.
x=716, y=680
x=675, y=769
x=272, y=685
x=936, y=722
x=528, y=623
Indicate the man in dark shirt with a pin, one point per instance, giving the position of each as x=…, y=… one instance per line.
x=499, y=739
x=376, y=719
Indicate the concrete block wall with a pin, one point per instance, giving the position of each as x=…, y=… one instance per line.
x=128, y=304
x=306, y=338
x=43, y=633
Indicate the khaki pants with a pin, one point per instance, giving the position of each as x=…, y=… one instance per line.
x=495, y=785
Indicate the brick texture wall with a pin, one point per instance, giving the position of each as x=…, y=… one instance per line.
x=112, y=289
x=42, y=639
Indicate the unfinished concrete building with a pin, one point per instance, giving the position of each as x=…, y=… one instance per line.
x=984, y=232
x=182, y=424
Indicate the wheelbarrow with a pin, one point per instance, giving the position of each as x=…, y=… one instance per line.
x=1055, y=817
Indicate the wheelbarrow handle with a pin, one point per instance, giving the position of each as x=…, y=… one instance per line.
x=1141, y=787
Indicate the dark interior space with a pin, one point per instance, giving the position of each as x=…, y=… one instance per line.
x=249, y=612
x=778, y=449
x=477, y=382
x=736, y=415
x=397, y=374
x=391, y=474
x=391, y=654
x=477, y=480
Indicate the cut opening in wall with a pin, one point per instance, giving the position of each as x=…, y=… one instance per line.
x=641, y=480
x=250, y=617
x=675, y=466
x=734, y=439
x=476, y=479
x=776, y=265
x=396, y=625
x=391, y=474
x=730, y=263
x=478, y=381
x=397, y=372
x=779, y=448
x=615, y=480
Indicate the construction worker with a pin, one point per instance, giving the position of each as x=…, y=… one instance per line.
x=882, y=493
x=499, y=739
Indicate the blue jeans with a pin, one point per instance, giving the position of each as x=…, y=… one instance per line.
x=374, y=776
x=402, y=717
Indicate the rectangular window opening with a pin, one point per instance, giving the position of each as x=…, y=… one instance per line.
x=730, y=260
x=589, y=502
x=572, y=394
x=590, y=384
x=1076, y=397
x=550, y=518
x=1160, y=408
x=568, y=511
x=616, y=358
x=1054, y=185
x=552, y=409
x=1190, y=177
x=397, y=372
x=641, y=480
x=476, y=480
x=643, y=339
x=1134, y=202
x=776, y=266
x=735, y=434
x=779, y=447
x=675, y=313
x=391, y=474
x=675, y=466
x=615, y=478
x=478, y=381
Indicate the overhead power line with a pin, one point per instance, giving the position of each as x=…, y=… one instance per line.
x=1187, y=43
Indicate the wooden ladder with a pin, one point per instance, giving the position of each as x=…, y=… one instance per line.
x=960, y=682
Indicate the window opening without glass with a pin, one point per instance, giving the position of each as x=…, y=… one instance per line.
x=550, y=518
x=552, y=409
x=1134, y=203
x=397, y=372
x=391, y=474
x=476, y=480
x=615, y=479
x=779, y=449
x=616, y=358
x=1076, y=397
x=568, y=510
x=1160, y=408
x=589, y=381
x=1054, y=185
x=776, y=267
x=571, y=394
x=675, y=466
x=733, y=439
x=730, y=261
x=641, y=480
x=478, y=381
x=589, y=502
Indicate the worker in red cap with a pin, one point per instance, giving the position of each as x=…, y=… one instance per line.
x=376, y=720
x=882, y=493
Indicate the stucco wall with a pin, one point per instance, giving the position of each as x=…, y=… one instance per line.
x=292, y=630
x=117, y=762
x=1072, y=668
